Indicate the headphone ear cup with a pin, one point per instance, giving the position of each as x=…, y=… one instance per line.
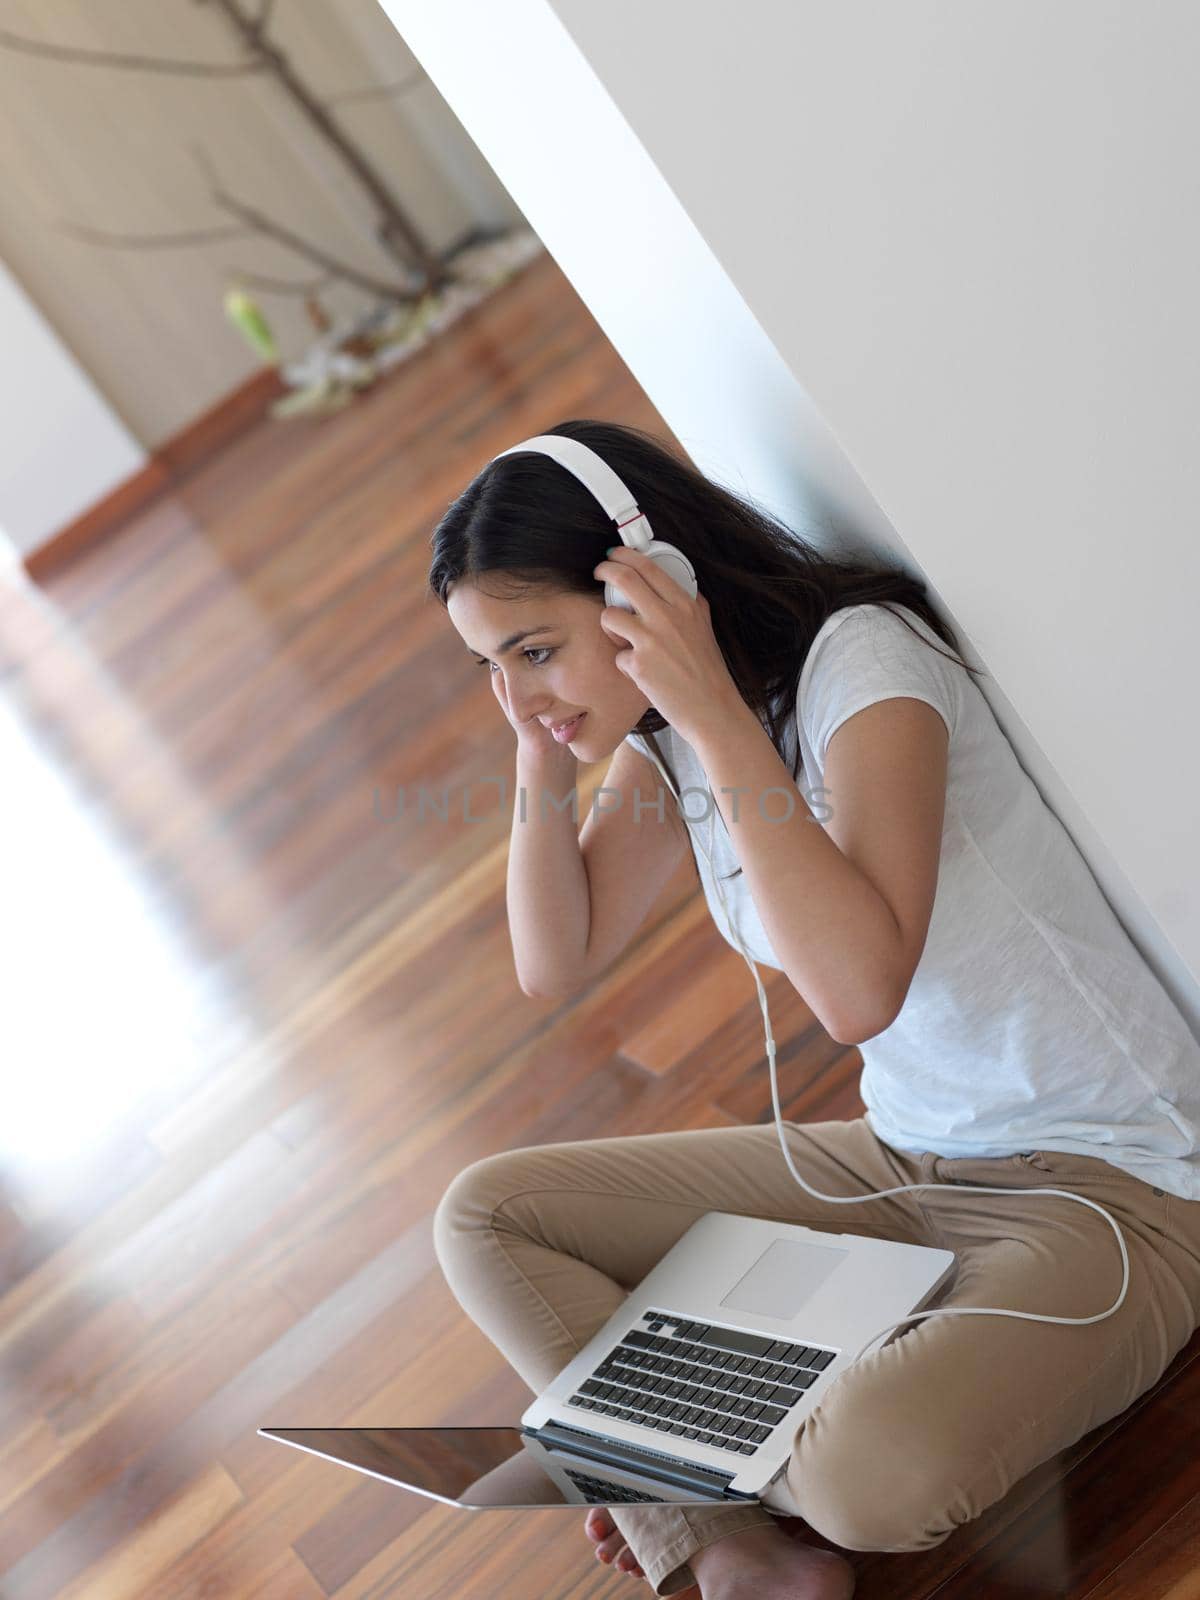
x=670, y=560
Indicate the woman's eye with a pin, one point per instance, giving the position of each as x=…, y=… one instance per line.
x=534, y=650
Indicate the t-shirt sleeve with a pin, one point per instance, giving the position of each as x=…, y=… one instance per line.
x=871, y=655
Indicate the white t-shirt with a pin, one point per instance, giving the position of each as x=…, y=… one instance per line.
x=1032, y=1022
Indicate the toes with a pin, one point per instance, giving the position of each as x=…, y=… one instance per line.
x=609, y=1543
x=598, y=1523
x=609, y=1549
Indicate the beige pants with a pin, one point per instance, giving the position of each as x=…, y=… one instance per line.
x=541, y=1245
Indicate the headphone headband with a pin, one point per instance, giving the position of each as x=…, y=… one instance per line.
x=596, y=475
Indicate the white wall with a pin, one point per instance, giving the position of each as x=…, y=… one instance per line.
x=63, y=448
x=925, y=272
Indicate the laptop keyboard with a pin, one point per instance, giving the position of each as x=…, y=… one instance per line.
x=719, y=1386
x=601, y=1492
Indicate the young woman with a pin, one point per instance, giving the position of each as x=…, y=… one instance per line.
x=931, y=910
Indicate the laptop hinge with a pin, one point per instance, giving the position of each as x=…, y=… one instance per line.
x=617, y=1453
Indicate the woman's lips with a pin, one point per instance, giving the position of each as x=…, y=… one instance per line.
x=565, y=734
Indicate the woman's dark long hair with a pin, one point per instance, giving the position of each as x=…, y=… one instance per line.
x=532, y=526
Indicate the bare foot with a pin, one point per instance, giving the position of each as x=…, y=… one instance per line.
x=756, y=1564
x=765, y=1564
x=610, y=1546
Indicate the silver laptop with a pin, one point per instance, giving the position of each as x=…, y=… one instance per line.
x=695, y=1387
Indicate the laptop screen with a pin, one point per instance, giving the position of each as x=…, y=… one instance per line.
x=480, y=1467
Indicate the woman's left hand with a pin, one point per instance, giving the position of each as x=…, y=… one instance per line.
x=672, y=653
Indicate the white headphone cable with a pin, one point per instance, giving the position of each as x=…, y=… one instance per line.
x=857, y=1199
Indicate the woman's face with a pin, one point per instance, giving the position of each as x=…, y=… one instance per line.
x=564, y=667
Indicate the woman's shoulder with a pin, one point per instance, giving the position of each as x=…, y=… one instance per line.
x=855, y=627
x=874, y=615
x=869, y=652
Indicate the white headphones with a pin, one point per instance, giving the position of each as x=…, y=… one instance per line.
x=634, y=528
x=632, y=524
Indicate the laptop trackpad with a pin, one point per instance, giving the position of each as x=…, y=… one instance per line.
x=783, y=1278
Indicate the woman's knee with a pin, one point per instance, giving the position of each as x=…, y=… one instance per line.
x=865, y=1481
x=472, y=1197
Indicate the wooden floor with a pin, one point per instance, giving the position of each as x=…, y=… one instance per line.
x=256, y=1021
